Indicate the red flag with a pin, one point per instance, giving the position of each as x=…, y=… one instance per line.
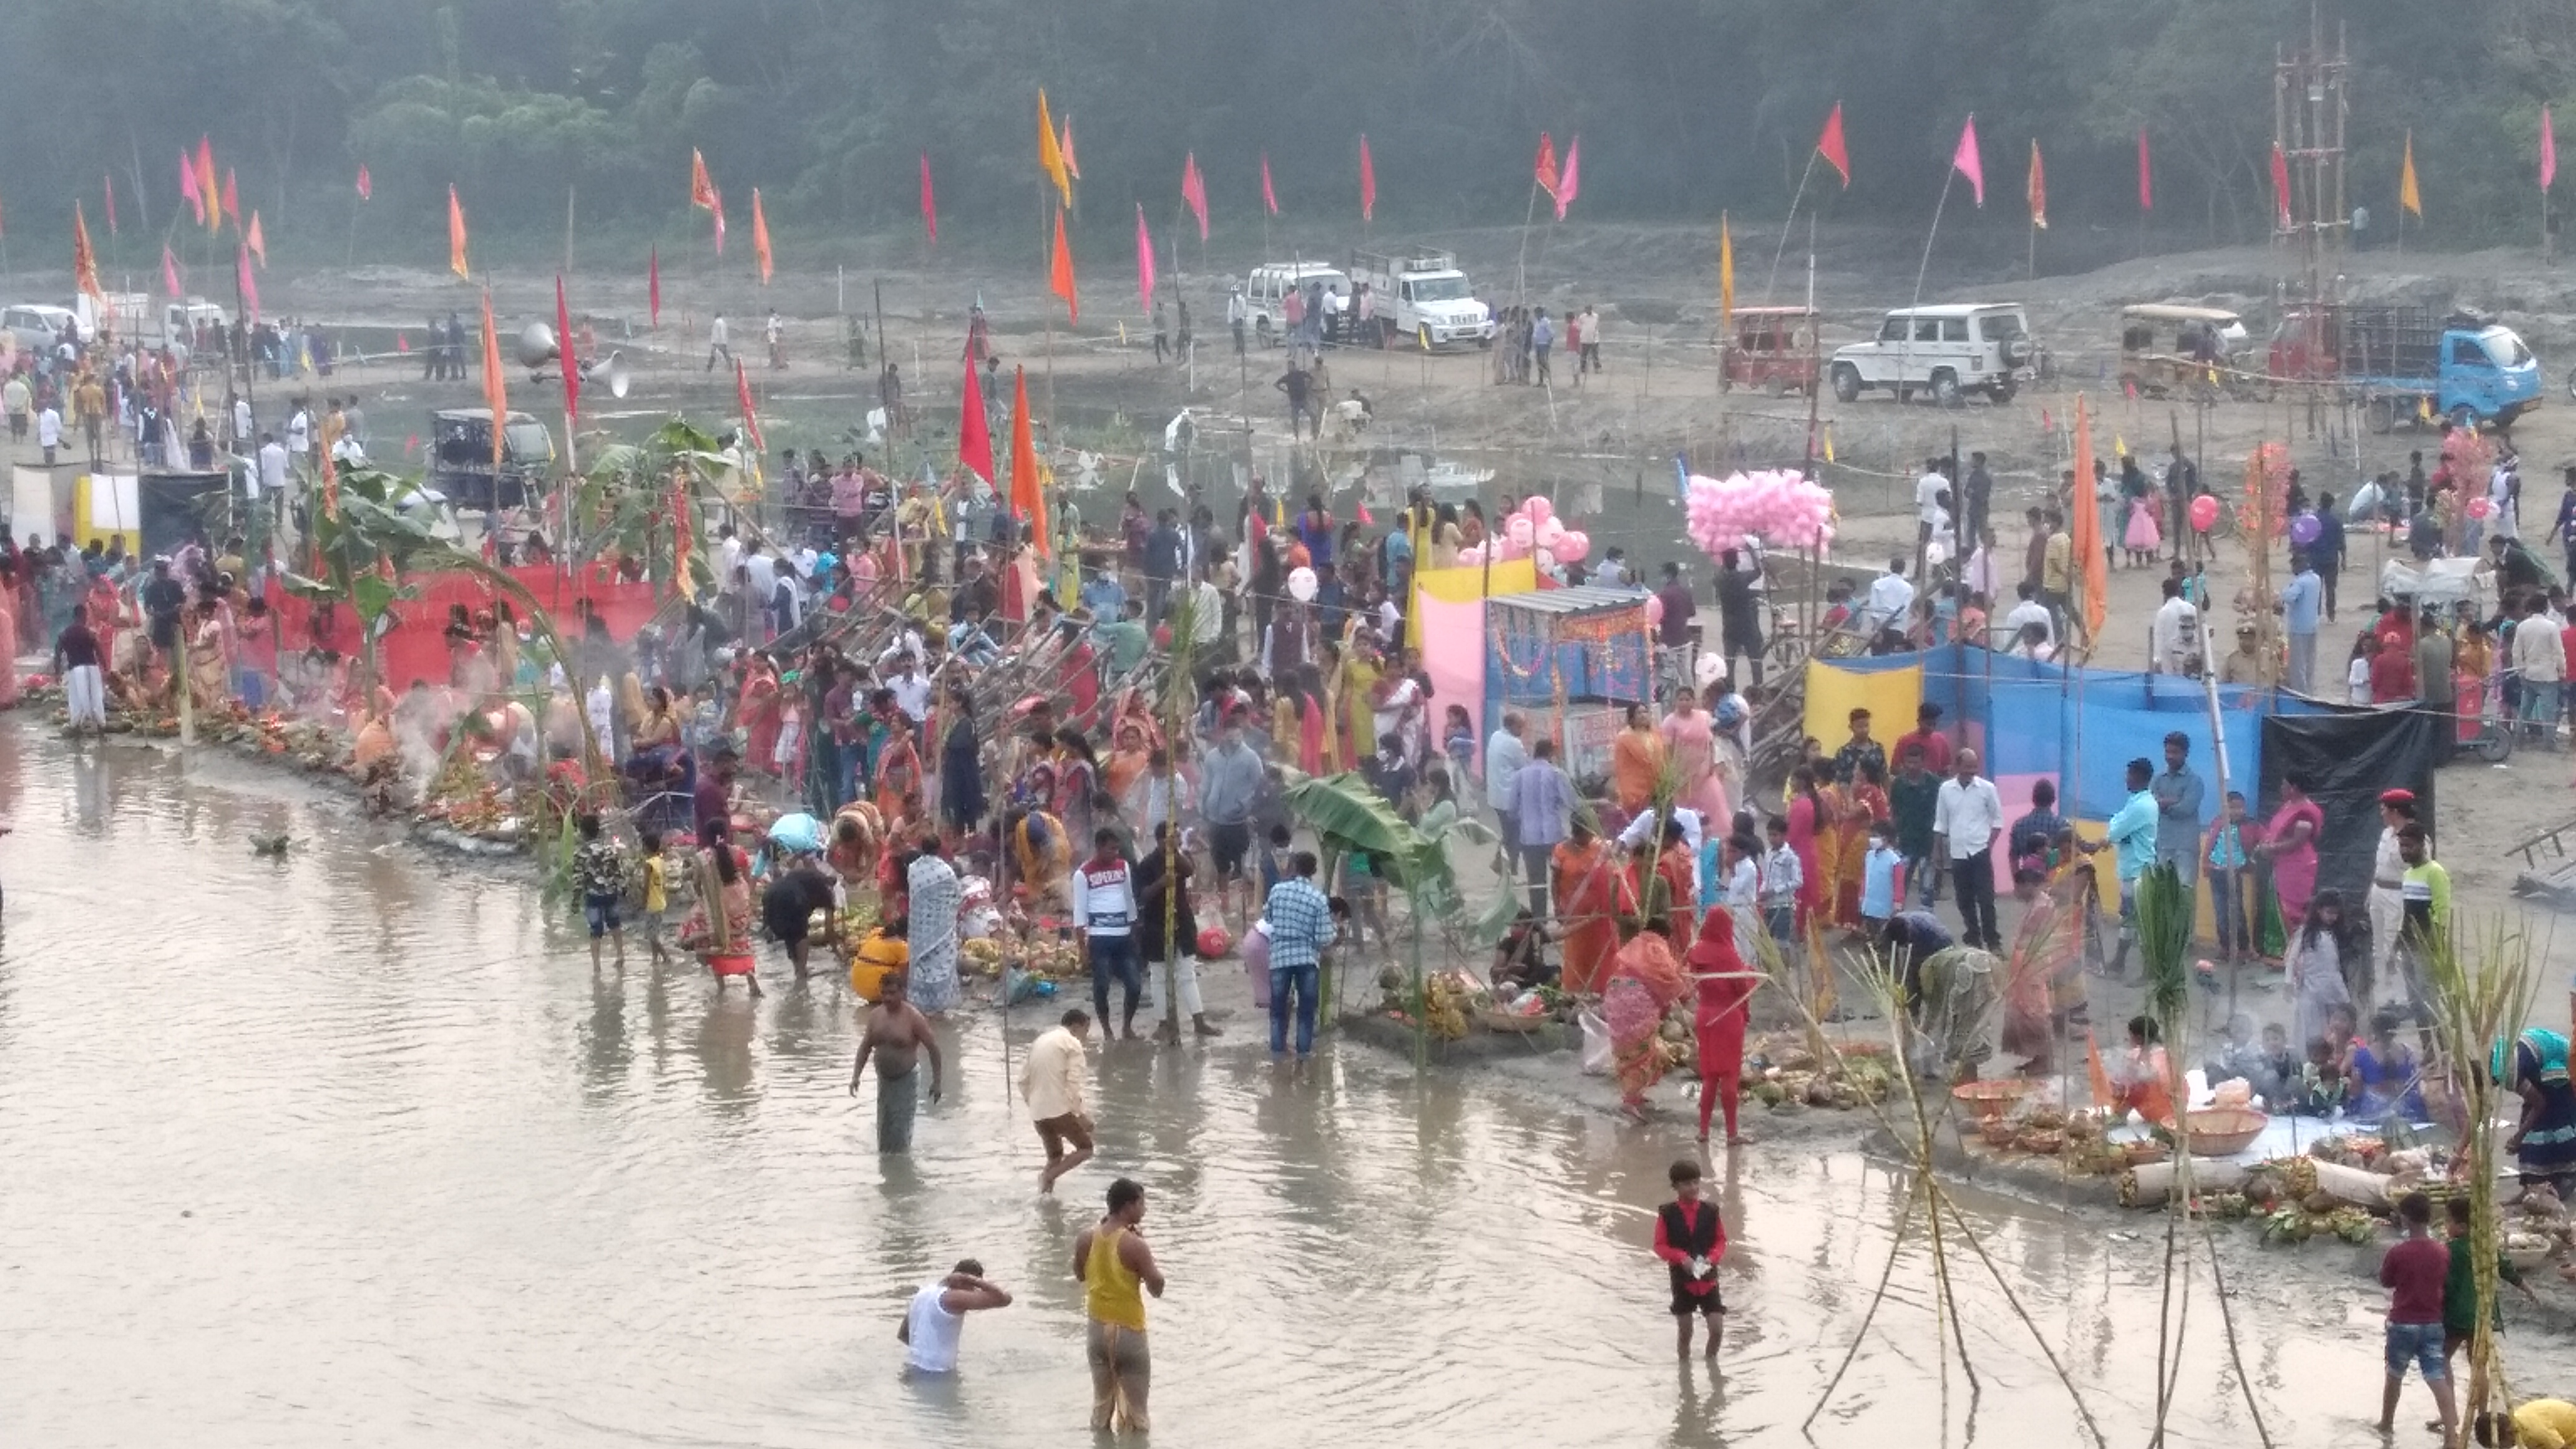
x=929, y=202
x=496, y=395
x=1194, y=191
x=1544, y=171
x=84, y=260
x=2038, y=189
x=1144, y=260
x=1028, y=498
x=1060, y=273
x=1571, y=182
x=2281, y=186
x=653, y=283
x=1269, y=198
x=563, y=350
x=257, y=243
x=402, y=342
x=702, y=192
x=111, y=205
x=760, y=236
x=2548, y=149
x=170, y=274
x=974, y=431
x=188, y=184
x=1368, y=182
x=366, y=188
x=1967, y=162
x=2146, y=174
x=249, y=288
x=1830, y=145
x=232, y=197
x=742, y=396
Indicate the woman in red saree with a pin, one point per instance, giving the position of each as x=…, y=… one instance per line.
x=1673, y=867
x=1592, y=889
x=1811, y=831
x=757, y=713
x=1725, y=986
x=1864, y=803
x=1645, y=981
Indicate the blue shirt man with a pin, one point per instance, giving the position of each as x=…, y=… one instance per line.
x=2133, y=829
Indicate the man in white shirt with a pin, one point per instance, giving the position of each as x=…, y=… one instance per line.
x=2029, y=611
x=2540, y=659
x=299, y=433
x=241, y=419
x=1104, y=906
x=1929, y=510
x=1891, y=598
x=1966, y=821
x=936, y=1318
x=912, y=692
x=2174, y=638
x=761, y=572
x=1504, y=756
x=1053, y=1080
x=728, y=554
x=272, y=465
x=49, y=431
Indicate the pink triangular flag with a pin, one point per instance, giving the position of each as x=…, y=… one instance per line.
x=1968, y=163
x=1568, y=181
x=2548, y=149
x=1144, y=261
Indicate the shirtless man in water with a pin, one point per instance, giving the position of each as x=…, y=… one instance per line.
x=897, y=1036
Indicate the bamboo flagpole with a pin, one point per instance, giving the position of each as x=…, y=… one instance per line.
x=1963, y=161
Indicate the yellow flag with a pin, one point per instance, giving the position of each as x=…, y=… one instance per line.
x=1829, y=442
x=1050, y=155
x=1725, y=278
x=2408, y=198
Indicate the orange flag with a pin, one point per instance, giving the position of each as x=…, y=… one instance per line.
x=702, y=192
x=1028, y=500
x=232, y=197
x=760, y=236
x=84, y=260
x=1060, y=273
x=456, y=243
x=1051, y=153
x=496, y=395
x=257, y=244
x=750, y=419
x=206, y=183
x=2095, y=1077
x=2084, y=537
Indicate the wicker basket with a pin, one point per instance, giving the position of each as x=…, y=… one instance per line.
x=1496, y=1018
x=1990, y=1100
x=2220, y=1131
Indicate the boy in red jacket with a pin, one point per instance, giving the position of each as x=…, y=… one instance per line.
x=1691, y=1239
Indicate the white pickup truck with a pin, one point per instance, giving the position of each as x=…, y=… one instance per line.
x=1423, y=296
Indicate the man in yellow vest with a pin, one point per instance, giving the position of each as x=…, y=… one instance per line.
x=1116, y=1270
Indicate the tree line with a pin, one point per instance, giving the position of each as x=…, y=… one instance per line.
x=1684, y=106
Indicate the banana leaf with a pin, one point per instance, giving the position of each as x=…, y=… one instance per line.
x=2164, y=910
x=1349, y=814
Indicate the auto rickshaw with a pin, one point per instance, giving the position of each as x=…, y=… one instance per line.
x=2169, y=350
x=1772, y=350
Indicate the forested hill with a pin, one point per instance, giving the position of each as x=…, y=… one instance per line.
x=828, y=106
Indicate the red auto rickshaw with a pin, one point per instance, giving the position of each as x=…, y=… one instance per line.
x=1772, y=350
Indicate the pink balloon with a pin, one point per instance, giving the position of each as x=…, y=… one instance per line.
x=2481, y=507
x=1472, y=556
x=1521, y=532
x=1538, y=510
x=1573, y=546
x=2204, y=513
x=1654, y=608
x=1550, y=532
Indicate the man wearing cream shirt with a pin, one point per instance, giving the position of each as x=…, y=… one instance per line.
x=1054, y=1080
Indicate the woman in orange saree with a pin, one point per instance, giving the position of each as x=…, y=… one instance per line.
x=1636, y=762
x=1864, y=803
x=757, y=713
x=1592, y=889
x=1645, y=980
x=2036, y=972
x=1811, y=834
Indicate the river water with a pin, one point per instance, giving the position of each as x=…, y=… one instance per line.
x=355, y=1148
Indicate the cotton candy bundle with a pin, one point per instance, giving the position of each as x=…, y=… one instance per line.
x=1781, y=508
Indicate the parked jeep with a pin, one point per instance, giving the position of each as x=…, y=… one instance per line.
x=1947, y=351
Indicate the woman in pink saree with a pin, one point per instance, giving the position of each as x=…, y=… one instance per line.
x=1691, y=745
x=8, y=630
x=2290, y=843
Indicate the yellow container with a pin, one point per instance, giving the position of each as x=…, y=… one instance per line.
x=876, y=958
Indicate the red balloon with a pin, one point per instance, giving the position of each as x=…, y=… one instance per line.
x=1214, y=942
x=2204, y=512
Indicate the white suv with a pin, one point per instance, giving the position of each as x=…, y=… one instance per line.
x=1946, y=351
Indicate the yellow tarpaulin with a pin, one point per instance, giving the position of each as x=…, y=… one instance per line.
x=1890, y=696
x=1466, y=585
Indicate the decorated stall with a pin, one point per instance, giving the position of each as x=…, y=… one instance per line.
x=1573, y=658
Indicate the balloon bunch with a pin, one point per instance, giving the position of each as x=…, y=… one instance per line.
x=1531, y=529
x=1779, y=507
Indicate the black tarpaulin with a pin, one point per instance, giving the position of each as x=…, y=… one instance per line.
x=2348, y=757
